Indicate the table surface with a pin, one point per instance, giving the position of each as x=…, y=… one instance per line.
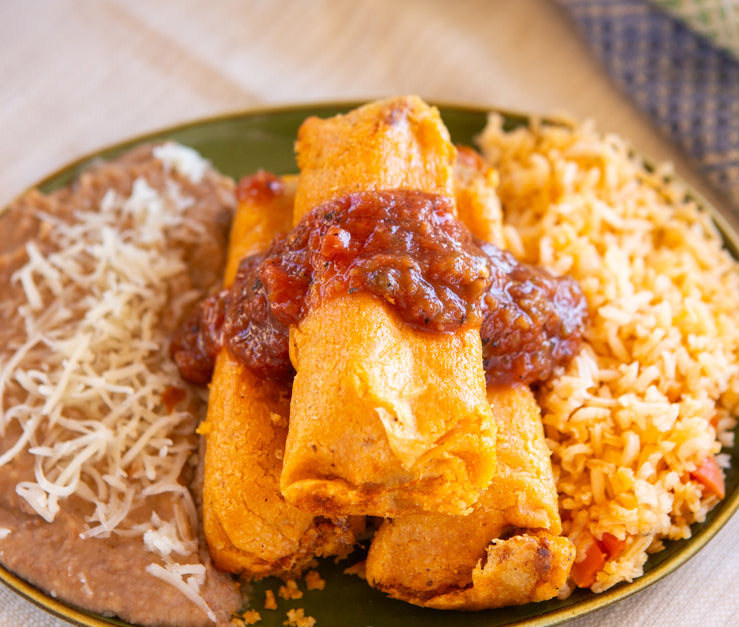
x=76, y=75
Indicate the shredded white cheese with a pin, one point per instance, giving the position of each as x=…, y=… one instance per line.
x=85, y=388
x=165, y=538
x=182, y=159
x=187, y=579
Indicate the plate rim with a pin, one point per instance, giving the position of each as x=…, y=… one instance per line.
x=727, y=226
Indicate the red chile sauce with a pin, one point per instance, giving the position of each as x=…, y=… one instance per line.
x=406, y=248
x=532, y=321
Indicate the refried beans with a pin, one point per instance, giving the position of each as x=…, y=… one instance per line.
x=108, y=566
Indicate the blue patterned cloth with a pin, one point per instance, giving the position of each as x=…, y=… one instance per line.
x=689, y=86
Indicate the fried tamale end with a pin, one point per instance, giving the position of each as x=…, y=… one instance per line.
x=402, y=425
x=265, y=209
x=458, y=562
x=399, y=143
x=475, y=191
x=243, y=512
x=521, y=569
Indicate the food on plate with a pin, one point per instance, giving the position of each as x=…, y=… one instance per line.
x=652, y=395
x=247, y=523
x=380, y=286
x=636, y=431
x=385, y=418
x=97, y=437
x=578, y=306
x=507, y=551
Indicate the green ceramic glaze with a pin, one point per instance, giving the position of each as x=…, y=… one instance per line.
x=241, y=143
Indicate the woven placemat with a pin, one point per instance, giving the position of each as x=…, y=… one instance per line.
x=679, y=67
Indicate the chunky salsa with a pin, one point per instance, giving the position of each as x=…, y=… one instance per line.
x=406, y=248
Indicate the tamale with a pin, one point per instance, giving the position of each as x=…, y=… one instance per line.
x=385, y=419
x=506, y=552
x=249, y=527
x=475, y=191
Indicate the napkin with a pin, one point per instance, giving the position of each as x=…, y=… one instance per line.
x=676, y=60
x=716, y=19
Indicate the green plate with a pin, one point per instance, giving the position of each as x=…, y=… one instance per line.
x=241, y=143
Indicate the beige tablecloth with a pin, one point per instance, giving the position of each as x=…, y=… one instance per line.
x=76, y=75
